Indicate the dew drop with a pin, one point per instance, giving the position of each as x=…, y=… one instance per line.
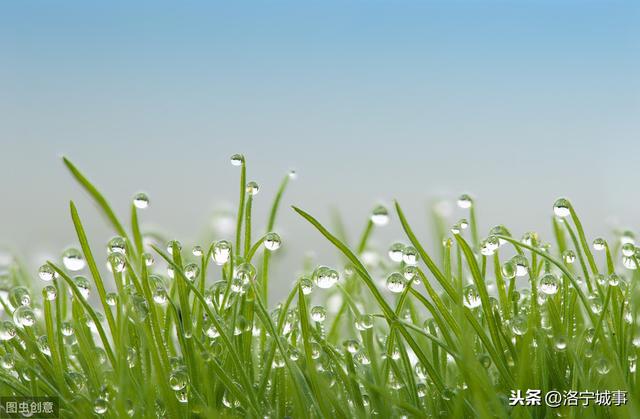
x=599, y=244
x=569, y=256
x=561, y=208
x=253, y=188
x=410, y=255
x=318, y=314
x=395, y=252
x=237, y=159
x=325, y=277
x=221, y=252
x=396, y=282
x=380, y=216
x=471, y=298
x=46, y=273
x=272, y=241
x=141, y=200
x=465, y=201
x=191, y=271
x=73, y=260
x=548, y=284
x=49, y=292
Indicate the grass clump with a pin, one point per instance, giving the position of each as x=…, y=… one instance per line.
x=400, y=331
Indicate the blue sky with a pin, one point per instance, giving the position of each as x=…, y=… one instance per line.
x=516, y=102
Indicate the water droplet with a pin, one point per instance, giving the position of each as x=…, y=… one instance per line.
x=519, y=325
x=237, y=159
x=599, y=244
x=548, y=284
x=410, y=255
x=24, y=316
x=83, y=286
x=602, y=366
x=49, y=292
x=46, y=273
x=489, y=246
x=325, y=277
x=172, y=244
x=396, y=282
x=253, y=188
x=100, y=406
x=111, y=299
x=380, y=216
x=221, y=252
x=569, y=256
x=509, y=269
x=421, y=389
x=410, y=273
x=196, y=251
x=7, y=330
x=614, y=280
x=191, y=271
x=307, y=285
x=318, y=314
x=272, y=241
x=364, y=322
x=465, y=201
x=561, y=208
x=471, y=298
x=148, y=259
x=178, y=379
x=293, y=175
x=628, y=249
x=421, y=370
x=116, y=262
x=560, y=343
x=72, y=259
x=20, y=296
x=141, y=200
x=395, y=252
x=245, y=272
x=522, y=264
x=629, y=263
x=485, y=360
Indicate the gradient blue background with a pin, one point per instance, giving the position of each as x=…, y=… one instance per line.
x=517, y=102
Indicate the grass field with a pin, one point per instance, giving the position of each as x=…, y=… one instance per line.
x=408, y=330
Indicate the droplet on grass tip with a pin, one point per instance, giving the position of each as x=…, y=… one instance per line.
x=73, y=260
x=380, y=216
x=191, y=271
x=628, y=249
x=395, y=252
x=561, y=208
x=173, y=243
x=465, y=201
x=116, y=262
x=548, y=284
x=141, y=200
x=221, y=252
x=253, y=188
x=325, y=277
x=49, y=292
x=237, y=159
x=46, y=273
x=471, y=298
x=272, y=241
x=364, y=322
x=396, y=282
x=24, y=316
x=569, y=256
x=318, y=314
x=599, y=244
x=196, y=251
x=410, y=255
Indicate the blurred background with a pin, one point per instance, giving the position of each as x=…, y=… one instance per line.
x=516, y=103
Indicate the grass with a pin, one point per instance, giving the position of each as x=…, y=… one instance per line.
x=193, y=334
